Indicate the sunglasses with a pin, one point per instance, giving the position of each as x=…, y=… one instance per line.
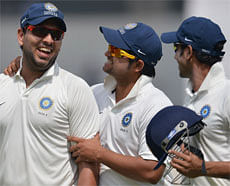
x=177, y=45
x=41, y=31
x=117, y=52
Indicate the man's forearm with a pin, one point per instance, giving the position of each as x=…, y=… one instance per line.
x=218, y=169
x=88, y=174
x=133, y=167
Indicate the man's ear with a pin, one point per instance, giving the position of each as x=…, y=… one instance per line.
x=139, y=65
x=20, y=37
x=189, y=52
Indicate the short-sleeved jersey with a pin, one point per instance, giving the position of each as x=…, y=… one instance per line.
x=123, y=124
x=35, y=123
x=212, y=101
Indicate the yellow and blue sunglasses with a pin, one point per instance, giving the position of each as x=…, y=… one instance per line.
x=117, y=52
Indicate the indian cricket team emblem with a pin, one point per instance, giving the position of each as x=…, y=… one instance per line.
x=130, y=26
x=45, y=103
x=205, y=111
x=50, y=7
x=127, y=119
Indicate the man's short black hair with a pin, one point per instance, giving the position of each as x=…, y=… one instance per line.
x=148, y=70
x=208, y=59
x=204, y=57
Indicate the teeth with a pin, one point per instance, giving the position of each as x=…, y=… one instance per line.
x=45, y=50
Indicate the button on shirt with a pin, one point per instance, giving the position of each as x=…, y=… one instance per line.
x=123, y=124
x=34, y=124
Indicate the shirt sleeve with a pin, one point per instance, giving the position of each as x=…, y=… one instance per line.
x=144, y=150
x=226, y=110
x=83, y=110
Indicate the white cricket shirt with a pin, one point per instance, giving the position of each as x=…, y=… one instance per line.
x=34, y=124
x=123, y=124
x=212, y=101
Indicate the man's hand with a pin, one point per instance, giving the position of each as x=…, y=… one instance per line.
x=187, y=163
x=87, y=150
x=13, y=67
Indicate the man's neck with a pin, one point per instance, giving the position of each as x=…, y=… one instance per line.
x=123, y=88
x=29, y=75
x=199, y=74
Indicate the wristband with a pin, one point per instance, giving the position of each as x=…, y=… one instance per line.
x=203, y=168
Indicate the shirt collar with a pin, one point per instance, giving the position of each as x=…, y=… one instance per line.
x=110, y=85
x=53, y=70
x=214, y=76
x=18, y=74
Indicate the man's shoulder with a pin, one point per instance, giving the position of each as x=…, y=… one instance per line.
x=152, y=100
x=4, y=79
x=3, y=76
x=154, y=94
x=99, y=90
x=67, y=74
x=222, y=89
x=69, y=78
x=226, y=89
x=227, y=82
x=98, y=87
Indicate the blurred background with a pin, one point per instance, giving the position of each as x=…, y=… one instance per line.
x=84, y=46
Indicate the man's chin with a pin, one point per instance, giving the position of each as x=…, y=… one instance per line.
x=44, y=63
x=183, y=76
x=42, y=66
x=107, y=67
x=106, y=70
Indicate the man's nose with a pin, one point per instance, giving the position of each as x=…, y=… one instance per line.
x=48, y=39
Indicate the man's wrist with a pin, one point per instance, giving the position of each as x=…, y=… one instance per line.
x=203, y=168
x=100, y=153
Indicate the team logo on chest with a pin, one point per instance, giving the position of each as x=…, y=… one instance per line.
x=45, y=103
x=205, y=111
x=126, y=119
